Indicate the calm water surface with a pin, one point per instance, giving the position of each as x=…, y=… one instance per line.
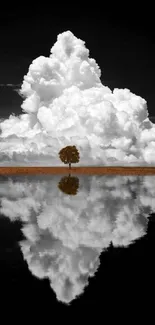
x=76, y=240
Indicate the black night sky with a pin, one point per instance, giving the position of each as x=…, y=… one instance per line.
x=121, y=40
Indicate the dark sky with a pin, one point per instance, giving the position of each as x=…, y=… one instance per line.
x=121, y=40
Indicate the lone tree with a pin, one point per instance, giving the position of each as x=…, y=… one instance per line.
x=69, y=155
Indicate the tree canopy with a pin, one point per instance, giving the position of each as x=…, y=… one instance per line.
x=69, y=155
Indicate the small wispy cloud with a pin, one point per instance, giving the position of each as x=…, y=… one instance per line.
x=15, y=87
x=10, y=85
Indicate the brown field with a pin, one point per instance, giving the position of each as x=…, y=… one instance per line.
x=78, y=170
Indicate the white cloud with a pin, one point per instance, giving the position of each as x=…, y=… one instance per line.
x=66, y=104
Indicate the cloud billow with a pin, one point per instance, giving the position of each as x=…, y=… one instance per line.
x=67, y=104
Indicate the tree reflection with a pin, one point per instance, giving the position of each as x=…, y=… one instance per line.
x=69, y=185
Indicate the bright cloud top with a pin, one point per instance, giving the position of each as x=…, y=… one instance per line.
x=66, y=104
x=65, y=235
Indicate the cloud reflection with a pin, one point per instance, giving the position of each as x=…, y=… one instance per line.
x=65, y=234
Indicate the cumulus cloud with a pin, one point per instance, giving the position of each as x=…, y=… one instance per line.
x=65, y=235
x=67, y=104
